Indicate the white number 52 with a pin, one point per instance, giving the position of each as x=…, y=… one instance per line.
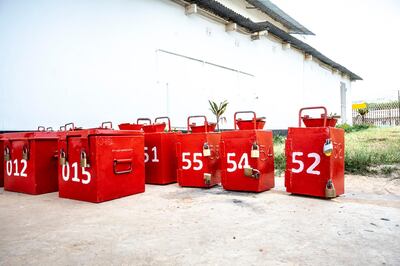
x=300, y=168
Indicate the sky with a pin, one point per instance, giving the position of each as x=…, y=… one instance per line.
x=361, y=35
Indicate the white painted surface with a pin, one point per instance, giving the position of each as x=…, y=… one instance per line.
x=92, y=61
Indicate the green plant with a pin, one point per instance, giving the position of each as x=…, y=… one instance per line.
x=279, y=154
x=347, y=128
x=218, y=111
x=363, y=112
x=333, y=115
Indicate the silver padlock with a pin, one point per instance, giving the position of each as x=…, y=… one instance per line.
x=25, y=153
x=330, y=191
x=84, y=162
x=207, y=178
x=7, y=155
x=206, y=150
x=63, y=158
x=328, y=147
x=255, y=151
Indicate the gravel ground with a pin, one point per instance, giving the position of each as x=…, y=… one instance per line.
x=169, y=225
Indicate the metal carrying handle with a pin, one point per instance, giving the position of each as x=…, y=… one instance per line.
x=313, y=108
x=122, y=161
x=69, y=124
x=197, y=116
x=245, y=112
x=41, y=128
x=164, y=117
x=49, y=129
x=104, y=125
x=62, y=128
x=143, y=119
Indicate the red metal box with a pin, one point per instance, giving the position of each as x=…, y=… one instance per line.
x=159, y=152
x=100, y=164
x=198, y=156
x=30, y=162
x=1, y=161
x=247, y=157
x=315, y=160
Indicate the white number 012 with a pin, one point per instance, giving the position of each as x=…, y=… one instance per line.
x=300, y=168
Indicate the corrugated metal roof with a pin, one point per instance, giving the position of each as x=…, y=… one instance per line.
x=279, y=15
x=227, y=14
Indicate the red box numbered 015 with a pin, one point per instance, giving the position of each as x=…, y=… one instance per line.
x=101, y=164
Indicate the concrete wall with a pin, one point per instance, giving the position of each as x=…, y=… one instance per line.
x=91, y=61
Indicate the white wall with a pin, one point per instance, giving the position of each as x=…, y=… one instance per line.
x=91, y=61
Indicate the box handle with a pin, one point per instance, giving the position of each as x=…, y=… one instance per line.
x=104, y=125
x=313, y=108
x=122, y=161
x=143, y=119
x=164, y=117
x=41, y=128
x=198, y=116
x=72, y=125
x=245, y=112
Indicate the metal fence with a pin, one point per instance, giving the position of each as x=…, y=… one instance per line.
x=378, y=114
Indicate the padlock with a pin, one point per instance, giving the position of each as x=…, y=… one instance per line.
x=206, y=150
x=207, y=178
x=248, y=171
x=251, y=172
x=328, y=147
x=25, y=153
x=7, y=155
x=84, y=162
x=255, y=151
x=63, y=158
x=330, y=191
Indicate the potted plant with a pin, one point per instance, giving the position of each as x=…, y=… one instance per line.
x=218, y=111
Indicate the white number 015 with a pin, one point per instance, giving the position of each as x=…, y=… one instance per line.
x=66, y=171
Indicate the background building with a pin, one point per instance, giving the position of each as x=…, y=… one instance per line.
x=92, y=61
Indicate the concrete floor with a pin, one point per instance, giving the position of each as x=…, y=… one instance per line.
x=169, y=225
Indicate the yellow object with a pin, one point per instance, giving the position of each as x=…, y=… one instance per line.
x=328, y=147
x=362, y=105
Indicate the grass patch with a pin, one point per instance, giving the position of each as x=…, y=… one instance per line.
x=347, y=128
x=368, y=150
x=279, y=154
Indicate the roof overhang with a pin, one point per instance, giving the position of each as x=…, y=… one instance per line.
x=229, y=15
x=279, y=15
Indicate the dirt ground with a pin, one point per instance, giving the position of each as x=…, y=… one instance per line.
x=169, y=225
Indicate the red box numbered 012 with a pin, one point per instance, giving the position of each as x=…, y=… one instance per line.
x=30, y=161
x=101, y=164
